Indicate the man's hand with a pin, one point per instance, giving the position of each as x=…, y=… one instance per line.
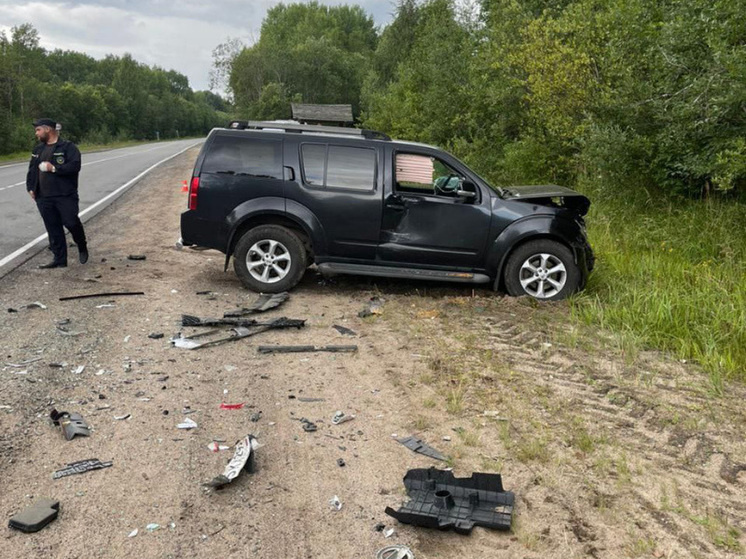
x=46, y=167
x=32, y=194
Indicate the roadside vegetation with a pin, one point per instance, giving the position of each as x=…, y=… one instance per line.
x=98, y=102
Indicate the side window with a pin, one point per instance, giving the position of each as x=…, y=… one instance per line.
x=339, y=166
x=350, y=167
x=424, y=174
x=233, y=155
x=314, y=160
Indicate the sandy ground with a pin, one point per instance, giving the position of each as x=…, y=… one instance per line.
x=609, y=454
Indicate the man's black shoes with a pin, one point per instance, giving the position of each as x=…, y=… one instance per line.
x=53, y=265
x=83, y=255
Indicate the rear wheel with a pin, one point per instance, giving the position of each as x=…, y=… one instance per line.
x=542, y=269
x=270, y=259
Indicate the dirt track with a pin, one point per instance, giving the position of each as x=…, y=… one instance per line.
x=608, y=455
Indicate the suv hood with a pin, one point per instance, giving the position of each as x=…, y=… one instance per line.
x=549, y=195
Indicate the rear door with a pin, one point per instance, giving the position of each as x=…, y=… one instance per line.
x=424, y=222
x=340, y=182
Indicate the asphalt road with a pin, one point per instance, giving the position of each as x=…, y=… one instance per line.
x=103, y=176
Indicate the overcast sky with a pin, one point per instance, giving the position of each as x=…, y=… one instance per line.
x=174, y=34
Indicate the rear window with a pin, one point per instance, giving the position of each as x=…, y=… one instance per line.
x=232, y=155
x=339, y=166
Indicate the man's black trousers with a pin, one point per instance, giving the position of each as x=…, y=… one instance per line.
x=59, y=211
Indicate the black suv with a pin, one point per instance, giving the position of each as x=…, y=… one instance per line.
x=279, y=197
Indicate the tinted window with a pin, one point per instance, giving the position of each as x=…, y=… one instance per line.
x=232, y=155
x=351, y=168
x=314, y=156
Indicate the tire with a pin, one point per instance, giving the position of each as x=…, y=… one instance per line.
x=542, y=269
x=270, y=259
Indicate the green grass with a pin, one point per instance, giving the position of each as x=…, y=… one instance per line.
x=672, y=277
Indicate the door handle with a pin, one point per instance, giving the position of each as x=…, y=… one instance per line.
x=396, y=203
x=289, y=173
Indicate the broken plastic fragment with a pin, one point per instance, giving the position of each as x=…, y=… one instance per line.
x=188, y=423
x=341, y=417
x=72, y=424
x=80, y=467
x=395, y=552
x=243, y=458
x=225, y=406
x=152, y=527
x=122, y=417
x=344, y=331
x=79, y=369
x=215, y=447
x=416, y=445
x=388, y=533
x=133, y=533
x=335, y=503
x=34, y=518
x=136, y=257
x=263, y=303
x=36, y=305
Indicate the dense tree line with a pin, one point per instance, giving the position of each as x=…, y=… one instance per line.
x=97, y=101
x=631, y=94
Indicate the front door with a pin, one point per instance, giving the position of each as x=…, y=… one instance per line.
x=425, y=222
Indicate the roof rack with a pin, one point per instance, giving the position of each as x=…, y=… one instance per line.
x=309, y=128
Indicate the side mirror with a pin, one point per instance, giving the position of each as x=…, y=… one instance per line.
x=466, y=190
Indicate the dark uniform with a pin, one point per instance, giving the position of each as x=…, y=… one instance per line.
x=56, y=195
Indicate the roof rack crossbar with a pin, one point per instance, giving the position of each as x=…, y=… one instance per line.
x=310, y=128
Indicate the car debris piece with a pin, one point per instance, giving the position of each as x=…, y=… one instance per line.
x=72, y=424
x=112, y=294
x=416, y=445
x=306, y=348
x=191, y=320
x=440, y=500
x=155, y=335
x=122, y=417
x=225, y=406
x=133, y=533
x=344, y=331
x=243, y=459
x=11, y=309
x=136, y=257
x=36, y=305
x=388, y=533
x=341, y=417
x=188, y=423
x=81, y=467
x=395, y=552
x=375, y=306
x=237, y=333
x=335, y=503
x=341, y=462
x=308, y=425
x=263, y=303
x=35, y=517
x=217, y=447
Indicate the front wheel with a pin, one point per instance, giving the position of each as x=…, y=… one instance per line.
x=542, y=269
x=269, y=259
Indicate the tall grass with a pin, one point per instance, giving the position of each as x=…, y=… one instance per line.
x=672, y=275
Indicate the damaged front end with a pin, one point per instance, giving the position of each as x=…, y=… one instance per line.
x=551, y=195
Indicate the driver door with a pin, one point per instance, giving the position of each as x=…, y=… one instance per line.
x=425, y=221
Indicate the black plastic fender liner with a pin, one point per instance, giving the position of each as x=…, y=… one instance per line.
x=440, y=500
x=35, y=517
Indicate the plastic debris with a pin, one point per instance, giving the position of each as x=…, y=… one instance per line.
x=335, y=503
x=215, y=447
x=155, y=335
x=388, y=533
x=416, y=445
x=79, y=369
x=34, y=518
x=225, y=406
x=308, y=425
x=395, y=552
x=122, y=417
x=341, y=462
x=36, y=305
x=306, y=348
x=133, y=533
x=439, y=500
x=341, y=417
x=72, y=424
x=344, y=331
x=136, y=257
x=243, y=459
x=263, y=303
x=112, y=294
x=188, y=423
x=375, y=307
x=81, y=467
x=152, y=527
x=236, y=333
x=106, y=306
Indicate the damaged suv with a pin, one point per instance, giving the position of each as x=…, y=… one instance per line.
x=279, y=197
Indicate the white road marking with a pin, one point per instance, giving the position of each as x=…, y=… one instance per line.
x=40, y=238
x=92, y=163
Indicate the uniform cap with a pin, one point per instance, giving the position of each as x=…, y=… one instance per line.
x=45, y=122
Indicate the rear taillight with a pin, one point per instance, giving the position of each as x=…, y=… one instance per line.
x=193, y=188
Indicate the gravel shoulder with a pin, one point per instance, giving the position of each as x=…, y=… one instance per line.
x=609, y=454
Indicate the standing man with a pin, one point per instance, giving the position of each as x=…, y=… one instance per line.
x=52, y=181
